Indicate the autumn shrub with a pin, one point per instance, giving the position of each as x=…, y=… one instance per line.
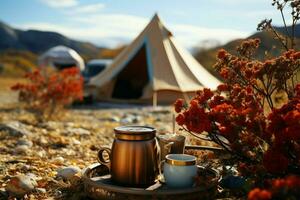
x=47, y=93
x=234, y=116
x=281, y=188
x=243, y=116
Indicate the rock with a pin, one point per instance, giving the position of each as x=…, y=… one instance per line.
x=24, y=142
x=20, y=185
x=75, y=141
x=25, y=167
x=43, y=140
x=130, y=118
x=57, y=193
x=15, y=128
x=68, y=152
x=58, y=160
x=137, y=119
x=41, y=153
x=77, y=131
x=33, y=176
x=21, y=149
x=69, y=124
x=111, y=119
x=41, y=190
x=127, y=120
x=51, y=125
x=43, y=131
x=68, y=173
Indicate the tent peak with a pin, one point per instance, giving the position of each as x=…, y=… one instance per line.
x=157, y=20
x=156, y=17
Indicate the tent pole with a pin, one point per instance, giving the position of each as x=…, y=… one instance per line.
x=186, y=97
x=154, y=99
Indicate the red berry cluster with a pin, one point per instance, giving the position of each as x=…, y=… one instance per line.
x=283, y=188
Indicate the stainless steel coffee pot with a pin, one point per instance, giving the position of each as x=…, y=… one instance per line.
x=134, y=156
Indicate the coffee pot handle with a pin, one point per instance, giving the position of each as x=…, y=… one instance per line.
x=101, y=158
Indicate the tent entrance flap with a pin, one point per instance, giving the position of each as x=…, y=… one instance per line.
x=62, y=66
x=131, y=81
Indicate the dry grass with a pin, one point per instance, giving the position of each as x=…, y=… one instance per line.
x=7, y=96
x=7, y=82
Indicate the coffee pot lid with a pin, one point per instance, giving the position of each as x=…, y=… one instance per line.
x=135, y=132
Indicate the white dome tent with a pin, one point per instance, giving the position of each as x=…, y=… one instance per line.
x=61, y=57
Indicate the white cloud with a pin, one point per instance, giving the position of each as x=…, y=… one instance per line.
x=114, y=25
x=109, y=29
x=87, y=9
x=114, y=29
x=190, y=35
x=60, y=3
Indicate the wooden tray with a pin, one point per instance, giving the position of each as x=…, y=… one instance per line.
x=98, y=185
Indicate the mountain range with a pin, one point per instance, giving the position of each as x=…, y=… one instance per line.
x=38, y=42
x=269, y=47
x=19, y=49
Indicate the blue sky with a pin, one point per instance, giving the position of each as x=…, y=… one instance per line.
x=113, y=22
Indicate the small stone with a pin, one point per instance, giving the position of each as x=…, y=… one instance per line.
x=50, y=125
x=69, y=124
x=20, y=185
x=43, y=140
x=136, y=119
x=41, y=153
x=41, y=190
x=43, y=131
x=68, y=152
x=15, y=128
x=25, y=167
x=77, y=131
x=33, y=176
x=24, y=142
x=58, y=160
x=127, y=120
x=58, y=193
x=110, y=119
x=21, y=149
x=68, y=173
x=75, y=141
x=94, y=148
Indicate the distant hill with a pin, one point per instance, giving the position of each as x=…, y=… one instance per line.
x=297, y=30
x=269, y=48
x=38, y=42
x=19, y=49
x=15, y=63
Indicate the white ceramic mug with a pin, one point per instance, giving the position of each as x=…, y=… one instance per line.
x=180, y=170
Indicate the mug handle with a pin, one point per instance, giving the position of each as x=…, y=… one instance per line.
x=101, y=158
x=168, y=146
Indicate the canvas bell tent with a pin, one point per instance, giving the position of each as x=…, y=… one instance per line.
x=153, y=68
x=61, y=57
